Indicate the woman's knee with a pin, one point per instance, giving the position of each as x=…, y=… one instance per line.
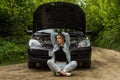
x=50, y=62
x=74, y=63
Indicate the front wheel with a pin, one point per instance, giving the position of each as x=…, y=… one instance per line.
x=86, y=64
x=31, y=64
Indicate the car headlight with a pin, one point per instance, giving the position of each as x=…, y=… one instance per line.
x=34, y=43
x=84, y=43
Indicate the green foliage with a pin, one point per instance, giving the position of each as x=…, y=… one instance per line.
x=16, y=17
x=11, y=52
x=47, y=1
x=103, y=17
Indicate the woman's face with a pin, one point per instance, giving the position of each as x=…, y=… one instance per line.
x=60, y=40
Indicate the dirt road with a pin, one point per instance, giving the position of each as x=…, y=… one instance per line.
x=105, y=66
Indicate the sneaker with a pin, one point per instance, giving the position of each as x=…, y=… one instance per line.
x=68, y=74
x=57, y=74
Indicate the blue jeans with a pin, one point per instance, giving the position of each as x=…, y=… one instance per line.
x=58, y=66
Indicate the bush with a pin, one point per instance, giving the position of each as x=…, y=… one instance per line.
x=103, y=18
x=11, y=52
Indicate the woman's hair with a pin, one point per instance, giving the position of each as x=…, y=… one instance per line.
x=60, y=34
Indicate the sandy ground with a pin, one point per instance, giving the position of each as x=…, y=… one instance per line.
x=105, y=66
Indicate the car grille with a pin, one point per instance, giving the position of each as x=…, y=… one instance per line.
x=80, y=54
x=43, y=54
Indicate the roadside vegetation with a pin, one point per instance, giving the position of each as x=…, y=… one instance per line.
x=102, y=18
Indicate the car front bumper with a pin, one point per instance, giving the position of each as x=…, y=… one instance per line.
x=81, y=54
x=40, y=55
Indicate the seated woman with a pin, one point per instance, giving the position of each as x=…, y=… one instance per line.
x=60, y=63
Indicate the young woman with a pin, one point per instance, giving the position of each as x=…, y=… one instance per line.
x=60, y=63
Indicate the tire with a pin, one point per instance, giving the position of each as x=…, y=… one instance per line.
x=86, y=65
x=31, y=65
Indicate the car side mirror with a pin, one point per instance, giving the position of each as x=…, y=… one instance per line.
x=89, y=32
x=29, y=32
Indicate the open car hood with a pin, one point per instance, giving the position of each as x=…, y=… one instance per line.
x=59, y=15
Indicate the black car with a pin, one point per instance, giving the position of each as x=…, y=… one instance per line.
x=59, y=16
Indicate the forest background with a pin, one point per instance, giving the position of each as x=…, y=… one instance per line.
x=102, y=18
